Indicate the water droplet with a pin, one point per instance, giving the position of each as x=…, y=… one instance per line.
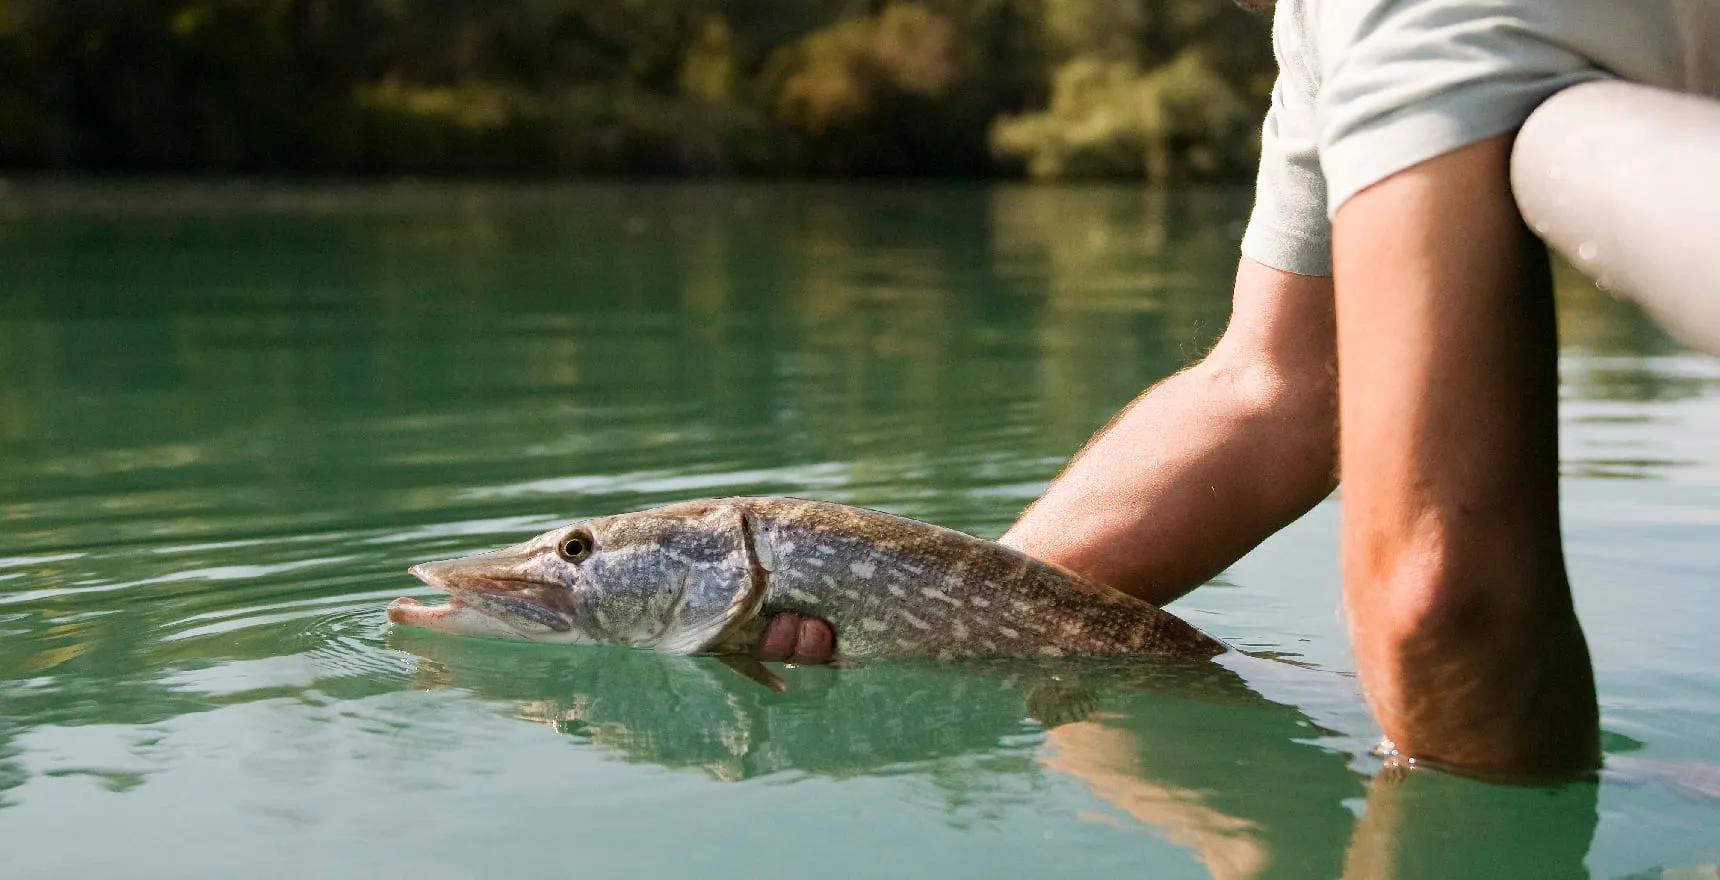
x=1587, y=251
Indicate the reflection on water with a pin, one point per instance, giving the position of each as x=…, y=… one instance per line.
x=965, y=729
x=231, y=415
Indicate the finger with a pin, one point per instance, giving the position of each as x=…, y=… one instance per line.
x=815, y=642
x=777, y=641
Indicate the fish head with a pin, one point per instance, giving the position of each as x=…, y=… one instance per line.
x=677, y=578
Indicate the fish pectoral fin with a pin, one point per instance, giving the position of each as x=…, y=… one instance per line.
x=754, y=670
x=1055, y=703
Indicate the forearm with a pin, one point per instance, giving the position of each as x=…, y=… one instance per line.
x=1209, y=462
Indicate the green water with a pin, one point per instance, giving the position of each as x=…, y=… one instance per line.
x=231, y=416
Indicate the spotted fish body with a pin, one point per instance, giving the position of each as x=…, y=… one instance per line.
x=895, y=587
x=705, y=576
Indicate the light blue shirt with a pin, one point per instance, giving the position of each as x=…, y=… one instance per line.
x=1368, y=88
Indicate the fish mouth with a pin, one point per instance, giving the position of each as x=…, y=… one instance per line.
x=478, y=603
x=407, y=611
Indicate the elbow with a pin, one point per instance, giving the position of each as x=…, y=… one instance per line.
x=1304, y=419
x=1413, y=593
x=1437, y=587
x=1472, y=658
x=1293, y=409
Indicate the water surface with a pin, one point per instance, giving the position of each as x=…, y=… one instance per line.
x=231, y=415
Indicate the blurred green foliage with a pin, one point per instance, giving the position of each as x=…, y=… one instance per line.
x=1166, y=89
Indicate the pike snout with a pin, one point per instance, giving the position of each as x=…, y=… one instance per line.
x=500, y=593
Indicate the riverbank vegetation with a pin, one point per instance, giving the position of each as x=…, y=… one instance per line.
x=1165, y=89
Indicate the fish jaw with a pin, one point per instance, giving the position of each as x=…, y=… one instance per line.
x=491, y=594
x=454, y=617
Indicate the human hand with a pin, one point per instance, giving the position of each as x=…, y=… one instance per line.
x=795, y=639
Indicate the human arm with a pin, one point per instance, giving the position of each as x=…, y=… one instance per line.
x=1206, y=464
x=1466, y=640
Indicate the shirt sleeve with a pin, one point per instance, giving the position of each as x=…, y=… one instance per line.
x=1404, y=81
x=1289, y=229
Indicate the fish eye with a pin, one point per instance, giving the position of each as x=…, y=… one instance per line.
x=575, y=547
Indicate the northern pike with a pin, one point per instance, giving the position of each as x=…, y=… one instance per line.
x=706, y=576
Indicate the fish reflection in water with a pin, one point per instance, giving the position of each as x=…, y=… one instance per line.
x=680, y=711
x=1252, y=787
